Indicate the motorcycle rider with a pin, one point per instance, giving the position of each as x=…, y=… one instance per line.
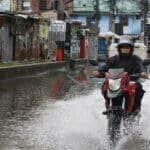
x=131, y=64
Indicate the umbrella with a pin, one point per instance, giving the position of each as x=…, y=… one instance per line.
x=109, y=34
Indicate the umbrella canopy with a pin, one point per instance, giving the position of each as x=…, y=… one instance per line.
x=109, y=34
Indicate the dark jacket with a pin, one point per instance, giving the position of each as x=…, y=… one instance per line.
x=131, y=64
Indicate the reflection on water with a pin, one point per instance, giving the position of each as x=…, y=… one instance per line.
x=22, y=94
x=21, y=97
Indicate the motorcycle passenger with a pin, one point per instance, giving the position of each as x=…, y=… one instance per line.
x=131, y=64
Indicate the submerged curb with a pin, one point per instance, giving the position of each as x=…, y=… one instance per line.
x=29, y=69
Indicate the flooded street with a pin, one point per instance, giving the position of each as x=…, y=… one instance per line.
x=56, y=67
x=61, y=112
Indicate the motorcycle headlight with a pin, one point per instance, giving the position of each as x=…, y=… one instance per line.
x=114, y=84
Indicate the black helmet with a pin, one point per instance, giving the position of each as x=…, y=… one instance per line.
x=125, y=42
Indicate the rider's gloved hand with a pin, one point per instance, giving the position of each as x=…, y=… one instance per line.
x=98, y=74
x=144, y=75
x=95, y=73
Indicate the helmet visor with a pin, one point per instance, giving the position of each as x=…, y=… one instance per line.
x=125, y=45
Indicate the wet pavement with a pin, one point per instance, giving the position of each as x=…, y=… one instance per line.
x=62, y=111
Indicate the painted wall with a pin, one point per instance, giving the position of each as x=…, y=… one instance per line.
x=134, y=26
x=6, y=43
x=5, y=5
x=81, y=19
x=123, y=6
x=83, y=5
x=104, y=24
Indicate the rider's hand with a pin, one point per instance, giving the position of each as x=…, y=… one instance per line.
x=144, y=75
x=95, y=73
x=98, y=74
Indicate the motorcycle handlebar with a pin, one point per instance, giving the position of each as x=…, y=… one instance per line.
x=132, y=76
x=137, y=76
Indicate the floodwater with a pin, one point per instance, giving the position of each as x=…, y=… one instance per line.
x=62, y=111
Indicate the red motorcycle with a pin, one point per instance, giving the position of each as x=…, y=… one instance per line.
x=119, y=92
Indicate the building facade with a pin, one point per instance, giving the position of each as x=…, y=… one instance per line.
x=123, y=17
x=34, y=6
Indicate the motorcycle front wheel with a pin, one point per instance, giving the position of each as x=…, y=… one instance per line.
x=114, y=123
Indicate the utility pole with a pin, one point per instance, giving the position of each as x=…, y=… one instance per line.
x=112, y=14
x=61, y=6
x=96, y=15
x=144, y=6
x=144, y=9
x=97, y=12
